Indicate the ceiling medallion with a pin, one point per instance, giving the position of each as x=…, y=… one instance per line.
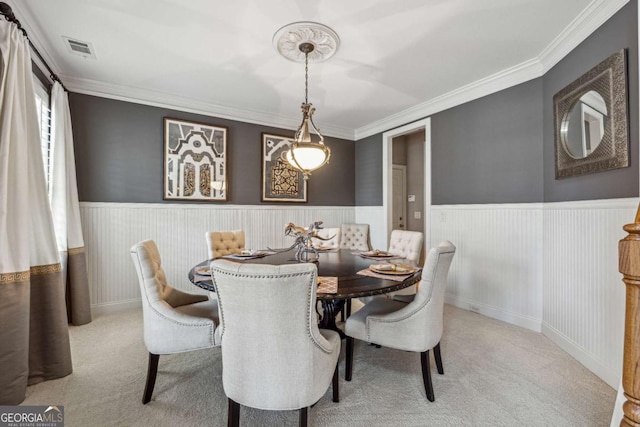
x=287, y=41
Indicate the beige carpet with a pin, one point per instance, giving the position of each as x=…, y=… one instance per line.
x=496, y=374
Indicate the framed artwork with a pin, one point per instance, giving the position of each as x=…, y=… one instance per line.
x=281, y=182
x=195, y=161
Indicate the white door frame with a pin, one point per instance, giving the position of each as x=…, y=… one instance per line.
x=387, y=183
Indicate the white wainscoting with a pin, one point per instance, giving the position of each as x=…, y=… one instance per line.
x=110, y=229
x=584, y=297
x=497, y=269
x=549, y=267
x=374, y=216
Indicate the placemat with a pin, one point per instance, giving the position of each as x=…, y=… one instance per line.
x=327, y=285
x=367, y=272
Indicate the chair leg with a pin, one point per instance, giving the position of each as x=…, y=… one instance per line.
x=152, y=371
x=348, y=369
x=303, y=417
x=438, y=357
x=233, y=414
x=426, y=375
x=335, y=386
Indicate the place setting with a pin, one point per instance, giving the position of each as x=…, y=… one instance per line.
x=398, y=272
x=377, y=254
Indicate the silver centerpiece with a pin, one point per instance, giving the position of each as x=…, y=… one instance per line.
x=305, y=252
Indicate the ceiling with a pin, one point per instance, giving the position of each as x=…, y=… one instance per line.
x=217, y=57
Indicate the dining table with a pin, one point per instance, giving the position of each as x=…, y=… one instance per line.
x=357, y=275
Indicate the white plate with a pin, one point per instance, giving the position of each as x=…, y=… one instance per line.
x=400, y=270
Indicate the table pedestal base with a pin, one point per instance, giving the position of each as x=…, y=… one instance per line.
x=330, y=309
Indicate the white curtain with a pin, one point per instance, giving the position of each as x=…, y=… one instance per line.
x=66, y=210
x=34, y=337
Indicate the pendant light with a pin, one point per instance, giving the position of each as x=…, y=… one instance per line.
x=308, y=151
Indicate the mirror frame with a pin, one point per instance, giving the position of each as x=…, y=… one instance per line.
x=609, y=79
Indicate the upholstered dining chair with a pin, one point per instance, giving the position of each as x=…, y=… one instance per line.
x=333, y=236
x=274, y=356
x=416, y=326
x=220, y=243
x=174, y=321
x=355, y=237
x=408, y=245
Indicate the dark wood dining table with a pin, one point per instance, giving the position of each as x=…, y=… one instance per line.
x=343, y=264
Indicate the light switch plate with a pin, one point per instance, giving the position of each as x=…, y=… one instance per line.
x=417, y=215
x=412, y=197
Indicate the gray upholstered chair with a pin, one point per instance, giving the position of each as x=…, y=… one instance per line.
x=220, y=243
x=355, y=237
x=174, y=321
x=274, y=356
x=333, y=234
x=416, y=326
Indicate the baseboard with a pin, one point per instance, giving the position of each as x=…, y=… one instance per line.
x=605, y=373
x=114, y=307
x=495, y=313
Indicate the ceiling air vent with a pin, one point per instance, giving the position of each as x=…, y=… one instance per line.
x=78, y=47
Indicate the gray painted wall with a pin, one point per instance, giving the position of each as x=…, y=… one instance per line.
x=369, y=171
x=489, y=150
x=119, y=155
x=619, y=32
x=499, y=148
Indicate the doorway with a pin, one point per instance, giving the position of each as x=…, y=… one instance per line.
x=424, y=214
x=399, y=206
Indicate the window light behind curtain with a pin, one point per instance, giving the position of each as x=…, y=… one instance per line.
x=44, y=121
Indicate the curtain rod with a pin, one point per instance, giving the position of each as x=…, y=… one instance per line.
x=7, y=12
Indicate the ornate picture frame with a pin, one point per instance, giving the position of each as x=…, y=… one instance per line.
x=195, y=161
x=281, y=182
x=591, y=120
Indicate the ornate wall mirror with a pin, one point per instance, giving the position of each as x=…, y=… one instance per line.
x=590, y=119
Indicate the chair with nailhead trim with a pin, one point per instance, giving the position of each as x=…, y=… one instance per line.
x=274, y=356
x=173, y=321
x=416, y=326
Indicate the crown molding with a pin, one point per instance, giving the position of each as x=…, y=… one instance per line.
x=504, y=79
x=174, y=102
x=589, y=20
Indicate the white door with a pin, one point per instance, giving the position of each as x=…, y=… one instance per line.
x=399, y=207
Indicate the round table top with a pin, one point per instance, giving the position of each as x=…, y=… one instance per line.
x=339, y=263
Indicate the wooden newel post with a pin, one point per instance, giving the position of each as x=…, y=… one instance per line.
x=629, y=257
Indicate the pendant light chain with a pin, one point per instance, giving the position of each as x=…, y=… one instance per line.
x=306, y=77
